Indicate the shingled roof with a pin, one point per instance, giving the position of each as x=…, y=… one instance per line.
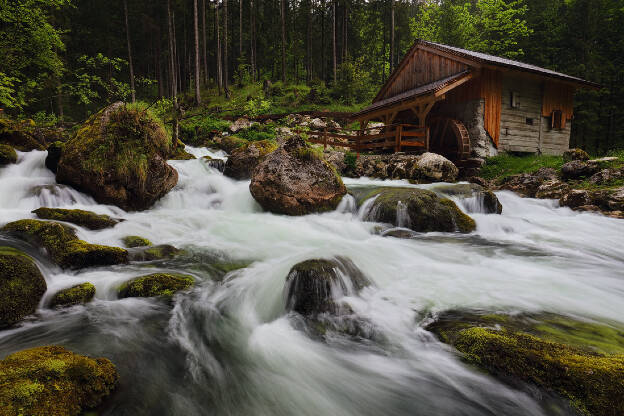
x=504, y=62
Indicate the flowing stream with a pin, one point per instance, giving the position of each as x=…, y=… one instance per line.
x=228, y=347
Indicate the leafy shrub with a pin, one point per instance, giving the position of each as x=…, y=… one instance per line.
x=197, y=129
x=258, y=132
x=354, y=83
x=350, y=160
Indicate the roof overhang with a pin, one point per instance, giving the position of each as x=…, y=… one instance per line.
x=434, y=91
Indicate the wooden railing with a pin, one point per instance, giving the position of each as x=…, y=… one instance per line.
x=393, y=136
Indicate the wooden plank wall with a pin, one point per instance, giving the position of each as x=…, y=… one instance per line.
x=487, y=86
x=491, y=92
x=516, y=134
x=558, y=96
x=422, y=68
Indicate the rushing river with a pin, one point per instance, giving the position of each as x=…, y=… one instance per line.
x=228, y=347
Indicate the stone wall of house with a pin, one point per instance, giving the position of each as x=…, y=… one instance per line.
x=472, y=115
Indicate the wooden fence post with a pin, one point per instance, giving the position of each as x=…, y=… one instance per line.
x=357, y=143
x=399, y=132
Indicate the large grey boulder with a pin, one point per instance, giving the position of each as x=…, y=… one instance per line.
x=296, y=180
x=244, y=160
x=437, y=168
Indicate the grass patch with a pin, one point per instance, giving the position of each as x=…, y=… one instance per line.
x=504, y=165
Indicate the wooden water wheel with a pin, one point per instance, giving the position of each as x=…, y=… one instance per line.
x=450, y=138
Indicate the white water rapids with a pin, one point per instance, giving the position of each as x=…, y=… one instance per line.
x=228, y=347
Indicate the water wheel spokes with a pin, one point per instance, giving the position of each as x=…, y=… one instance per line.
x=450, y=138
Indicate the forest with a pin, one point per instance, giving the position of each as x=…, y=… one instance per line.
x=65, y=59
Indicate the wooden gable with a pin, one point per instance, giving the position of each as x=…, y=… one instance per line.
x=419, y=67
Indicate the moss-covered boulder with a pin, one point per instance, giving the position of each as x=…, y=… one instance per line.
x=133, y=241
x=485, y=201
x=19, y=134
x=21, y=286
x=62, y=244
x=7, y=155
x=74, y=295
x=119, y=156
x=86, y=219
x=230, y=143
x=179, y=153
x=55, y=151
x=417, y=209
x=592, y=381
x=575, y=154
x=296, y=180
x=153, y=253
x=313, y=286
x=52, y=381
x=244, y=160
x=157, y=284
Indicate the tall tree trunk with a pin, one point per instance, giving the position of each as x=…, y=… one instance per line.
x=173, y=70
x=309, y=43
x=391, y=35
x=205, y=48
x=323, y=56
x=334, y=39
x=219, y=60
x=225, y=50
x=129, y=51
x=283, y=15
x=345, y=39
x=197, y=68
x=240, y=28
x=252, y=51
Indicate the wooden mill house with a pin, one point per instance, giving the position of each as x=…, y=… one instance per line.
x=466, y=104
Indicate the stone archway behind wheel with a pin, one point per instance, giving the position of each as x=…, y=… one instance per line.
x=450, y=138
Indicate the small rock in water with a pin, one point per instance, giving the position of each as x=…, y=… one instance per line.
x=418, y=210
x=62, y=244
x=74, y=295
x=7, y=155
x=86, y=219
x=313, y=286
x=133, y=241
x=55, y=151
x=54, y=381
x=157, y=284
x=21, y=286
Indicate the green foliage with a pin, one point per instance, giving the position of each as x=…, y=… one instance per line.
x=95, y=80
x=505, y=165
x=29, y=46
x=258, y=132
x=196, y=130
x=354, y=85
x=350, y=160
x=257, y=106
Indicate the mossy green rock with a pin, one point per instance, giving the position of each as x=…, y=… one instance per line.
x=157, y=284
x=592, y=381
x=180, y=154
x=52, y=381
x=229, y=143
x=244, y=160
x=119, y=156
x=61, y=243
x=86, y=219
x=419, y=210
x=19, y=134
x=133, y=241
x=74, y=295
x=21, y=286
x=7, y=155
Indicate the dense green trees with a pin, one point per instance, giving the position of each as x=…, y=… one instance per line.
x=71, y=57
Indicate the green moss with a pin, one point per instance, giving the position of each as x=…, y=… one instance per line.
x=21, y=286
x=80, y=217
x=464, y=223
x=180, y=154
x=157, y=284
x=132, y=241
x=229, y=143
x=60, y=241
x=594, y=383
x=569, y=357
x=309, y=153
x=74, y=295
x=123, y=148
x=52, y=381
x=350, y=159
x=163, y=251
x=7, y=155
x=19, y=135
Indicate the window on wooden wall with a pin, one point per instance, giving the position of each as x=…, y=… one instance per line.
x=515, y=99
x=556, y=119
